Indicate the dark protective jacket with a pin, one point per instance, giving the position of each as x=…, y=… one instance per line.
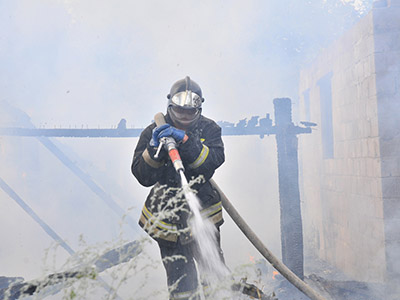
x=165, y=213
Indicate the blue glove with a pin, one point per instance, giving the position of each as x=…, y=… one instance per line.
x=154, y=142
x=171, y=131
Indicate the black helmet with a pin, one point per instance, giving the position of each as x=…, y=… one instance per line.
x=185, y=92
x=184, y=102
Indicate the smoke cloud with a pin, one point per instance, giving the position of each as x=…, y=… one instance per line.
x=88, y=64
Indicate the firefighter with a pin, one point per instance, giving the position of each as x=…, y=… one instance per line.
x=165, y=212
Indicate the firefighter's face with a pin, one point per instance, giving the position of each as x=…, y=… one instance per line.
x=184, y=116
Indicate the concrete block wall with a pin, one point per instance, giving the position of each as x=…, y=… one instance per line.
x=344, y=196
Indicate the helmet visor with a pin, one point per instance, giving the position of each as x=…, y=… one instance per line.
x=187, y=99
x=185, y=114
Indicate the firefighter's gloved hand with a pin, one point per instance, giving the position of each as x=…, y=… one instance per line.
x=171, y=131
x=155, y=139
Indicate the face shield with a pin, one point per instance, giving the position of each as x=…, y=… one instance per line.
x=183, y=116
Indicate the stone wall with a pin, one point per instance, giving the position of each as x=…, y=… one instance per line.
x=350, y=164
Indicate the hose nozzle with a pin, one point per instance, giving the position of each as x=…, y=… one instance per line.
x=170, y=145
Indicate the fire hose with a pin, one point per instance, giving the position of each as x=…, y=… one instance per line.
x=170, y=145
x=259, y=245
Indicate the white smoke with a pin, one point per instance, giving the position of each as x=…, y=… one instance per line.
x=89, y=63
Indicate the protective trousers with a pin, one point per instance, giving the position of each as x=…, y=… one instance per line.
x=179, y=263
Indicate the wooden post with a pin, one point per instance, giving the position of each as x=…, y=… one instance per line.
x=289, y=194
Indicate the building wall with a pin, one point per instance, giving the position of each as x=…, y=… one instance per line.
x=351, y=162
